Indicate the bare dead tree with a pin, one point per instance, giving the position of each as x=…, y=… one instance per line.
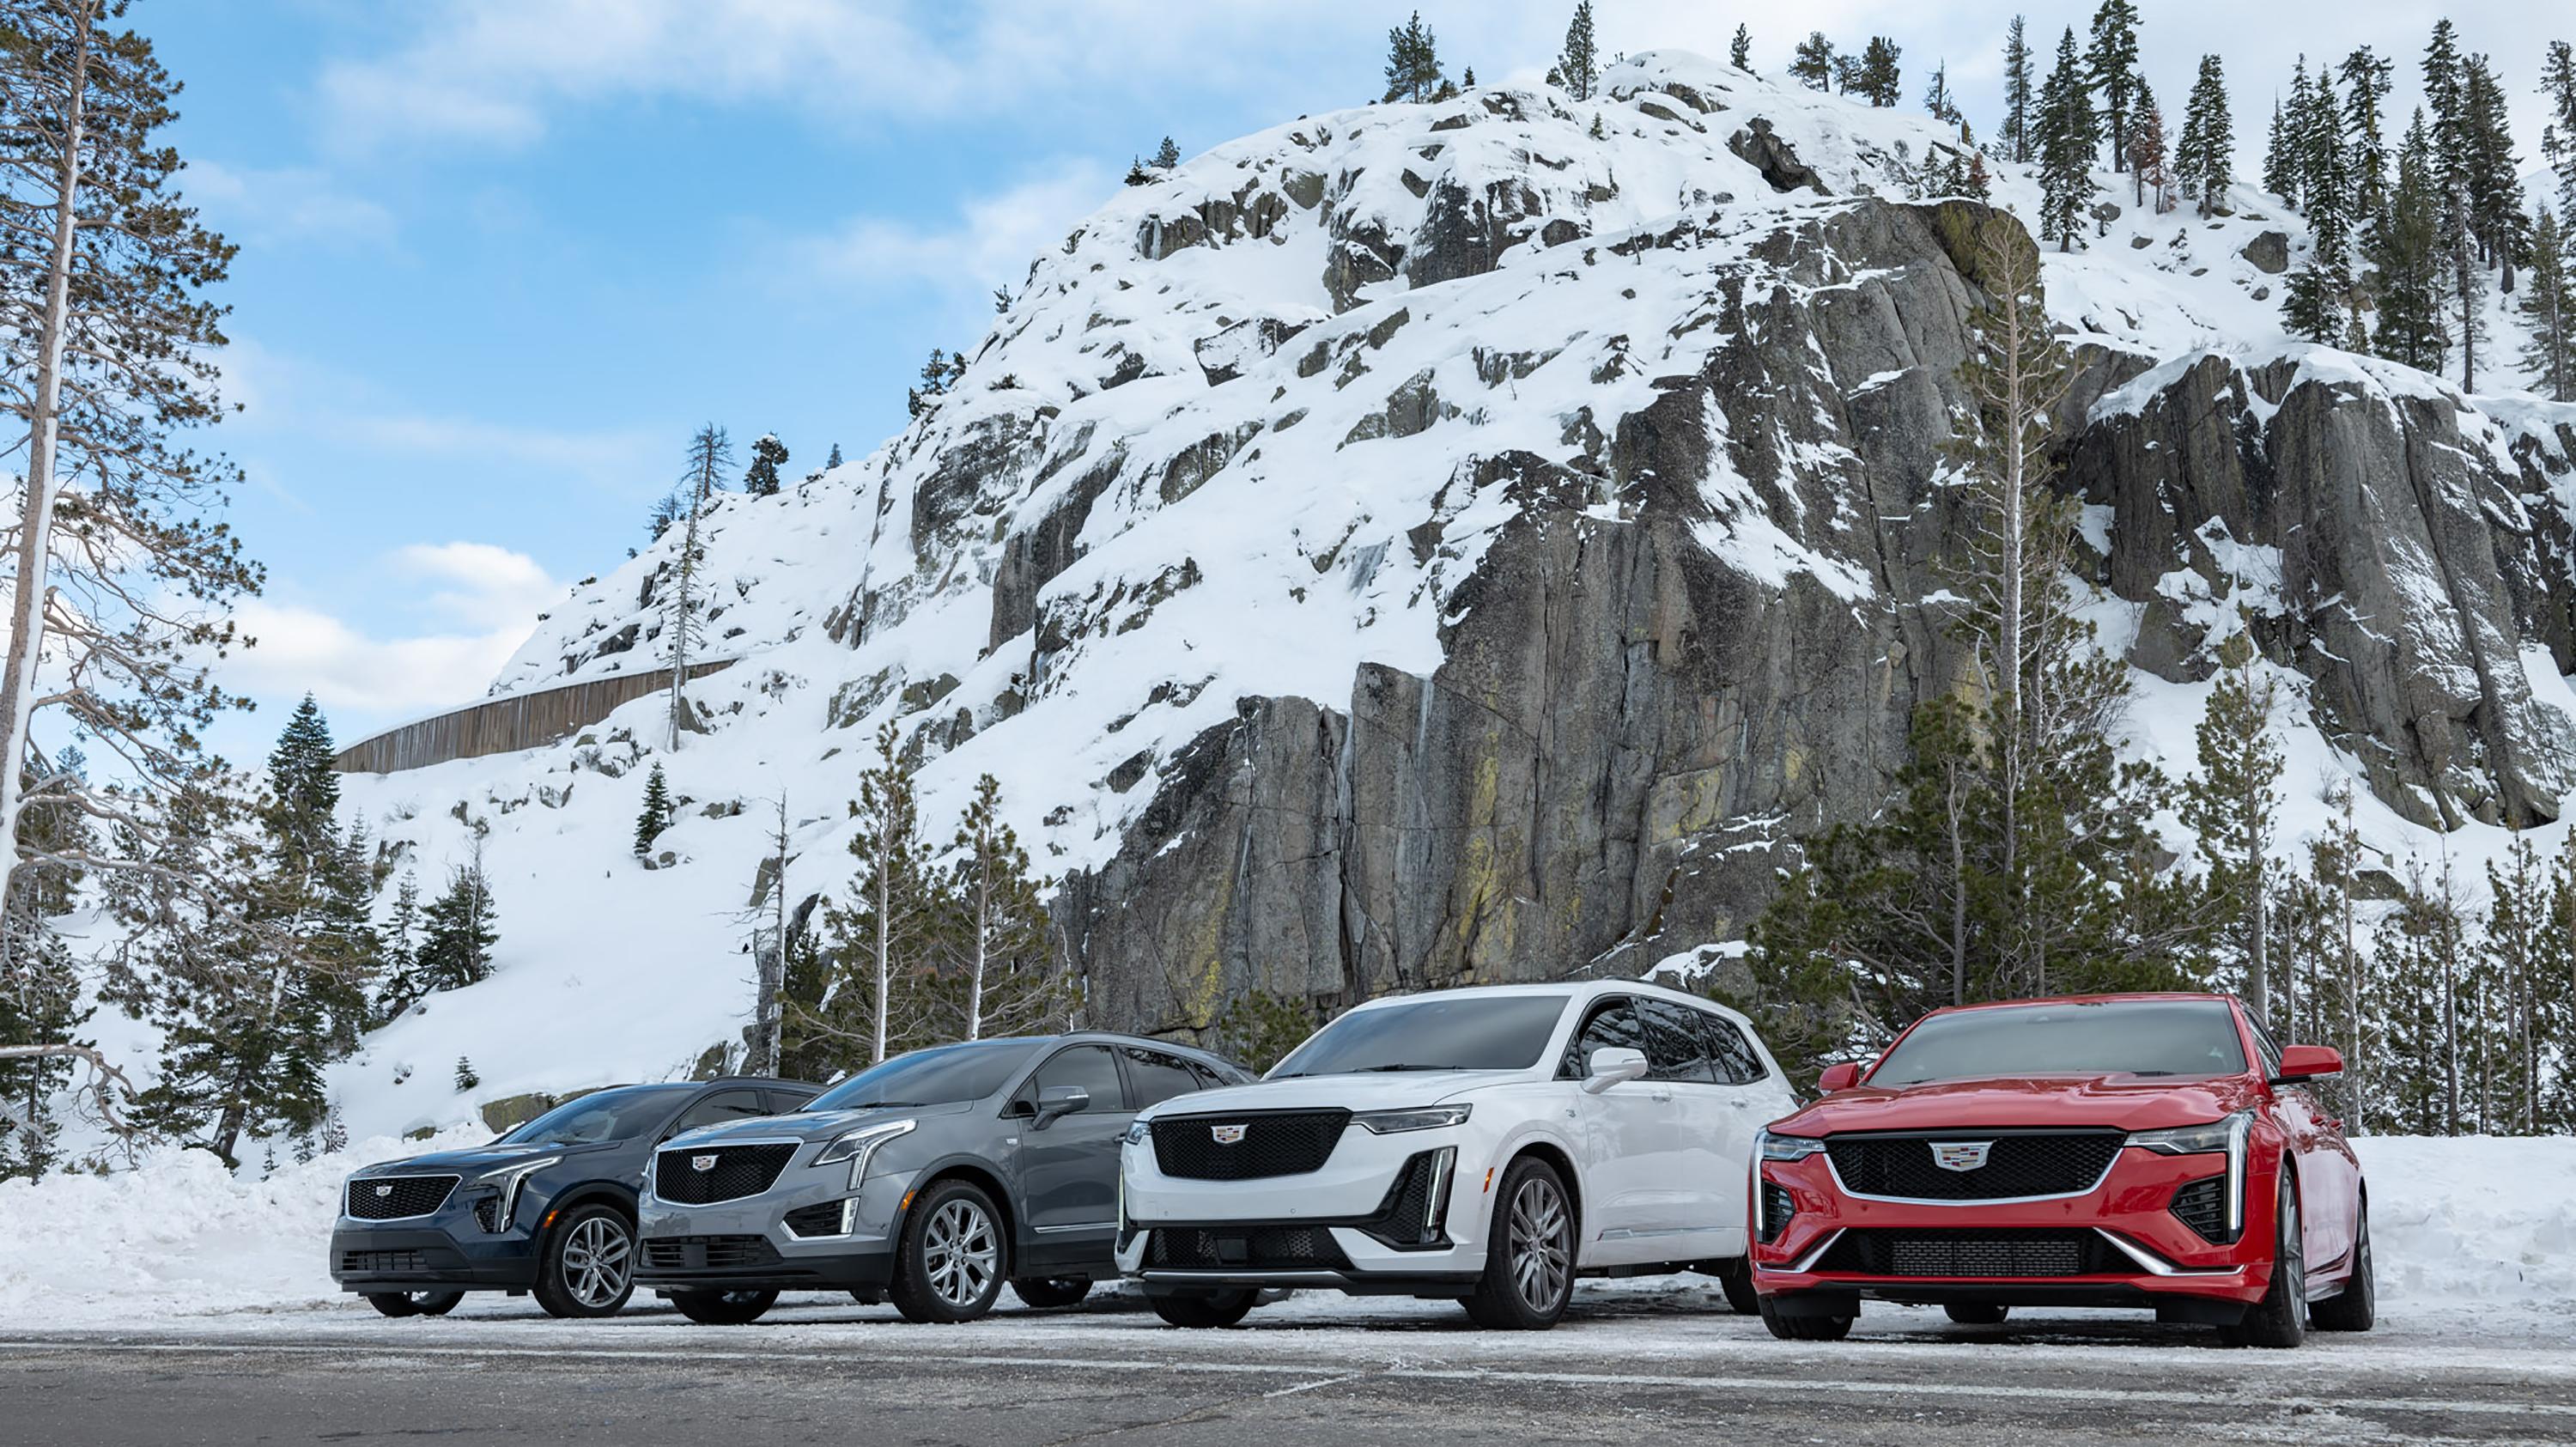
x=710, y=453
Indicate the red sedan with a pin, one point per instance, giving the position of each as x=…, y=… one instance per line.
x=2155, y=1151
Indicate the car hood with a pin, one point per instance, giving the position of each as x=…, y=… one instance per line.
x=807, y=1125
x=1392, y=1090
x=476, y=1160
x=2123, y=1102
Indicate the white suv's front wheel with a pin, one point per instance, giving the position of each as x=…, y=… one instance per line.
x=1529, y=1255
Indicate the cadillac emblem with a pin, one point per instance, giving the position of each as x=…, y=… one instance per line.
x=384, y=1190
x=708, y=1163
x=1960, y=1155
x=1227, y=1135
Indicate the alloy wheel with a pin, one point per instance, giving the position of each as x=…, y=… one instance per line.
x=1540, y=1248
x=596, y=1259
x=961, y=1254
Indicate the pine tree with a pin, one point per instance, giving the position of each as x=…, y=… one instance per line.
x=2320, y=305
x=2229, y=806
x=2204, y=154
x=2367, y=80
x=658, y=812
x=1938, y=100
x=710, y=454
x=1739, y=51
x=2281, y=151
x=1412, y=62
x=2405, y=248
x=767, y=456
x=2015, y=133
x=1167, y=156
x=1009, y=981
x=2067, y=140
x=2149, y=172
x=466, y=1079
x=834, y=460
x=2496, y=211
x=2558, y=89
x=2549, y=310
x=459, y=930
x=1578, y=66
x=2111, y=66
x=1878, y=79
x=1812, y=64
x=890, y=927
x=401, y=952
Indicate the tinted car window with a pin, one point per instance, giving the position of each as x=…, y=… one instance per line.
x=720, y=1107
x=1434, y=1032
x=1158, y=1077
x=603, y=1115
x=1733, y=1056
x=1612, y=1023
x=2264, y=1047
x=2110, y=1037
x=943, y=1075
x=783, y=1101
x=1088, y=1068
x=1676, y=1047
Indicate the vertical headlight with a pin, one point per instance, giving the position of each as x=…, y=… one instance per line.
x=859, y=1145
x=510, y=1178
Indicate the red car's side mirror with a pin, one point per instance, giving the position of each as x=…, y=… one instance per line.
x=2306, y=1062
x=1839, y=1077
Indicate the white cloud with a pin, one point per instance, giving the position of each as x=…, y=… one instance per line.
x=283, y=204
x=989, y=243
x=479, y=603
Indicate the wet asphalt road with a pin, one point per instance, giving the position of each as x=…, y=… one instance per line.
x=1315, y=1371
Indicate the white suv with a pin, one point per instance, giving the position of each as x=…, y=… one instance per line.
x=1483, y=1144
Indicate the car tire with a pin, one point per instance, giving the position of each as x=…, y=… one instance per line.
x=724, y=1308
x=1976, y=1313
x=1804, y=1328
x=1735, y=1278
x=1529, y=1252
x=952, y=1260
x=586, y=1264
x=2356, y=1307
x=1046, y=1292
x=414, y=1303
x=2280, y=1318
x=1201, y=1310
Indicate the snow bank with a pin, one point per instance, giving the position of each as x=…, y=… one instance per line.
x=2477, y=1222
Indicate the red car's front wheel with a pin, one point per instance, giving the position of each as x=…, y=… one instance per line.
x=2280, y=1319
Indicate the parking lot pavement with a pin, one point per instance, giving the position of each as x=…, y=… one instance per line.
x=1624, y=1367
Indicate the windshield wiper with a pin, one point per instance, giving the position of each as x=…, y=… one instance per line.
x=881, y=1105
x=1387, y=1069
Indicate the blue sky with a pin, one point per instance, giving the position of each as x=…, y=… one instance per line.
x=500, y=257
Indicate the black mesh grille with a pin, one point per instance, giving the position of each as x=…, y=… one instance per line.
x=1261, y=1248
x=1777, y=1208
x=487, y=1213
x=2036, y=1163
x=706, y=1253
x=380, y=1263
x=1279, y=1143
x=388, y=1198
x=822, y=1220
x=1973, y=1253
x=2202, y=1205
x=732, y=1173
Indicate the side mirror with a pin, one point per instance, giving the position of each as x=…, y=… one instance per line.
x=1056, y=1101
x=2306, y=1062
x=1839, y=1077
x=1611, y=1064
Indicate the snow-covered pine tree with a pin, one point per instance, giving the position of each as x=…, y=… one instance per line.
x=2150, y=176
x=1167, y=156
x=2205, y=152
x=1412, y=62
x=767, y=456
x=2111, y=68
x=2496, y=210
x=2281, y=149
x=1739, y=51
x=2367, y=80
x=459, y=929
x=2229, y=805
x=2067, y=139
x=2013, y=136
x=466, y=1079
x=1812, y=64
x=2405, y=250
x=657, y=812
x=335, y=1131
x=2558, y=92
x=1578, y=65
x=2320, y=304
x=710, y=455
x=400, y=950
x=2521, y=957
x=2549, y=309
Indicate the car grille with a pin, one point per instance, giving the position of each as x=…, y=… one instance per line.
x=380, y=1263
x=408, y=1196
x=2033, y=1163
x=1274, y=1143
x=1259, y=1248
x=1973, y=1253
x=2202, y=1205
x=1777, y=1208
x=707, y=1253
x=738, y=1171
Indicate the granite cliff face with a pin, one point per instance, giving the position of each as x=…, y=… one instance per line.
x=1476, y=541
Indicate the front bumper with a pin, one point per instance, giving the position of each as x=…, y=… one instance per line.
x=747, y=1244
x=2127, y=1245
x=448, y=1247
x=1385, y=1215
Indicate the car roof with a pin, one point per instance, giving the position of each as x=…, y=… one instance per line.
x=2133, y=997
x=1570, y=989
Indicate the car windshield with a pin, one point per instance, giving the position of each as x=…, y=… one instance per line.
x=1436, y=1032
x=943, y=1075
x=602, y=1115
x=2108, y=1037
